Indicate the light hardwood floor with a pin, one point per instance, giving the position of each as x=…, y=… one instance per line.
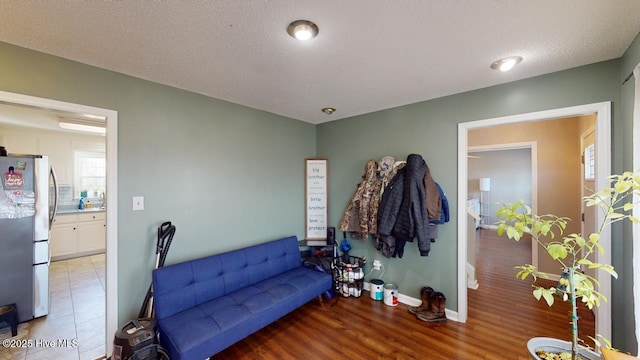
x=503, y=315
x=77, y=312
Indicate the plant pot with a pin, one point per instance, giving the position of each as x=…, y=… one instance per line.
x=556, y=345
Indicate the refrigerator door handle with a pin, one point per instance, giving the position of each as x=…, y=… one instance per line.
x=54, y=177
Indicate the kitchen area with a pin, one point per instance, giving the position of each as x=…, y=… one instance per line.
x=69, y=301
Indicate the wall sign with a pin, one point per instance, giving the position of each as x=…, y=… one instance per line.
x=316, y=198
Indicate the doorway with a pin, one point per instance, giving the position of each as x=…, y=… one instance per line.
x=498, y=162
x=111, y=286
x=602, y=112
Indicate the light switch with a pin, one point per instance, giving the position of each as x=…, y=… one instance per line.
x=138, y=203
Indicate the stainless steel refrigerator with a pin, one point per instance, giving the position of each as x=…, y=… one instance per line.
x=28, y=204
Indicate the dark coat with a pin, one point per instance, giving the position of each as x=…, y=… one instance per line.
x=402, y=214
x=412, y=218
x=388, y=212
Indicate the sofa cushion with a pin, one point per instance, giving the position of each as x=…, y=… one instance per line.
x=210, y=327
x=182, y=286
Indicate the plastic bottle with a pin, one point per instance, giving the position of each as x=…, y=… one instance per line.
x=81, y=204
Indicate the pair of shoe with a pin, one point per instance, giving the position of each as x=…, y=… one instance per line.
x=432, y=308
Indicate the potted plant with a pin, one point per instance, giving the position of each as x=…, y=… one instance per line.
x=572, y=251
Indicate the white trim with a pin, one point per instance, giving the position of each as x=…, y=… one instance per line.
x=636, y=199
x=111, y=293
x=603, y=170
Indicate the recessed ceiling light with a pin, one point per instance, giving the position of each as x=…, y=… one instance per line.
x=328, y=110
x=506, y=64
x=302, y=29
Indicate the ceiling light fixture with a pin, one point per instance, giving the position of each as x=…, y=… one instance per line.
x=506, y=64
x=302, y=29
x=328, y=110
x=82, y=125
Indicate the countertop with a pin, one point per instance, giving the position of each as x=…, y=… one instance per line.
x=65, y=211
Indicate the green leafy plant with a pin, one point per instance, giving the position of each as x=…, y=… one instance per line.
x=571, y=251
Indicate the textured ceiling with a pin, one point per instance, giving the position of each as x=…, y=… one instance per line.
x=369, y=55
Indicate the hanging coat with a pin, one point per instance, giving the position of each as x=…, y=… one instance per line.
x=412, y=218
x=432, y=229
x=432, y=196
x=384, y=173
x=357, y=217
x=388, y=213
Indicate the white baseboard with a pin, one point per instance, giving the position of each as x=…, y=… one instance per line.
x=411, y=301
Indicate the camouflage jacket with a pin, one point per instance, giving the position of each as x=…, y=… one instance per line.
x=360, y=216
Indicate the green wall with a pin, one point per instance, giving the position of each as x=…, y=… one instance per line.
x=226, y=175
x=430, y=128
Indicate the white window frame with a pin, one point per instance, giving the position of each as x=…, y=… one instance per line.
x=78, y=155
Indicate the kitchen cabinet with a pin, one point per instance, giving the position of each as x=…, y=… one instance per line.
x=59, y=152
x=78, y=234
x=63, y=240
x=92, y=232
x=20, y=144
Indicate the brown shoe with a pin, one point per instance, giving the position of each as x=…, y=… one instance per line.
x=437, y=312
x=425, y=295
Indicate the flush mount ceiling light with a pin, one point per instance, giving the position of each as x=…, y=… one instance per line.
x=328, y=110
x=302, y=29
x=82, y=125
x=506, y=64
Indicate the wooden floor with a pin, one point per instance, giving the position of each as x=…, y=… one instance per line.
x=503, y=315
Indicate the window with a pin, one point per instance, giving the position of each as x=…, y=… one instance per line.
x=590, y=162
x=90, y=173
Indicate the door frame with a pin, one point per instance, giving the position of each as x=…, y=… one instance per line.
x=603, y=170
x=111, y=291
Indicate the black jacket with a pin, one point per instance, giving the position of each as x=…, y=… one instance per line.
x=412, y=218
x=403, y=214
x=388, y=212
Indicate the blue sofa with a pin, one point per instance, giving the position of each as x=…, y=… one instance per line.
x=205, y=305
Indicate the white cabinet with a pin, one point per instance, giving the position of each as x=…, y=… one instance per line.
x=63, y=241
x=20, y=144
x=92, y=229
x=59, y=152
x=75, y=235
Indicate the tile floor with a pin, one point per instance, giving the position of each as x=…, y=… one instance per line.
x=77, y=312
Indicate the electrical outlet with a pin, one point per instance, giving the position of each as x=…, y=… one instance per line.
x=138, y=203
x=376, y=264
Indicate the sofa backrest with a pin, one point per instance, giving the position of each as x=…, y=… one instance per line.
x=181, y=286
